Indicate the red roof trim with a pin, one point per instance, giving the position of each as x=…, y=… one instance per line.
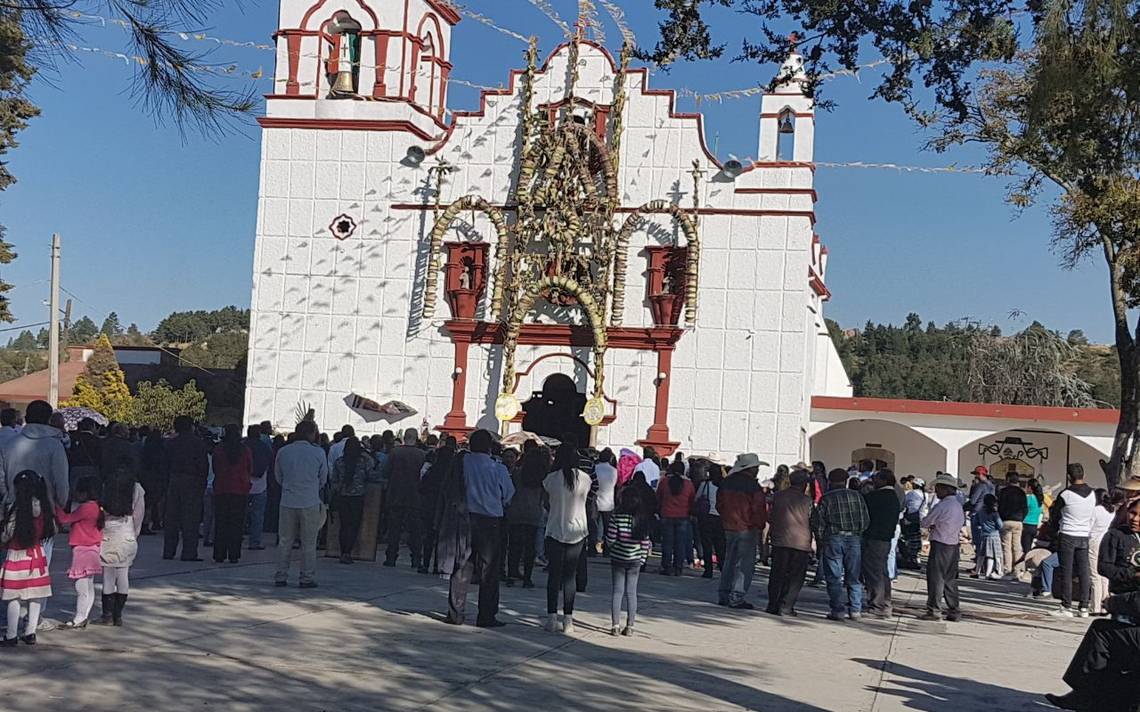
x=968, y=410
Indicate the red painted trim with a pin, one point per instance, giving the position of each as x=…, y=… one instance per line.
x=320, y=3
x=438, y=37
x=797, y=114
x=778, y=191
x=289, y=96
x=404, y=49
x=817, y=285
x=292, y=86
x=1105, y=416
x=379, y=87
x=445, y=11
x=455, y=422
x=272, y=122
x=656, y=338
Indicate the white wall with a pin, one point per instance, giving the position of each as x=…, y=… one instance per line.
x=914, y=453
x=1063, y=449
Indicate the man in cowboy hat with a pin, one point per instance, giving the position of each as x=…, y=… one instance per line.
x=945, y=522
x=743, y=514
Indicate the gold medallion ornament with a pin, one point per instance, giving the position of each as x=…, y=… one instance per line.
x=507, y=406
x=594, y=411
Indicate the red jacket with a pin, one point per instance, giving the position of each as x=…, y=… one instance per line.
x=741, y=503
x=676, y=506
x=232, y=478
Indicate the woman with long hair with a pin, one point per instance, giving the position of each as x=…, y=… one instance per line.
x=1035, y=501
x=123, y=504
x=675, y=496
x=566, y=528
x=28, y=523
x=351, y=474
x=627, y=542
x=525, y=515
x=233, y=470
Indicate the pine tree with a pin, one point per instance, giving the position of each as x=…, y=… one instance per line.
x=24, y=342
x=102, y=385
x=82, y=331
x=111, y=327
x=158, y=404
x=15, y=112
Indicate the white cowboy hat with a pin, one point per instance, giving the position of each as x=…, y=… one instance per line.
x=747, y=461
x=948, y=480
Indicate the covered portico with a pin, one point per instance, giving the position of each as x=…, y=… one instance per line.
x=921, y=437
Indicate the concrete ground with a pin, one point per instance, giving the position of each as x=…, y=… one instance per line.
x=200, y=635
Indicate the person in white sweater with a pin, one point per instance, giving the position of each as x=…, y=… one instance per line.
x=1074, y=511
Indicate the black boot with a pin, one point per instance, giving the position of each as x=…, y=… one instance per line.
x=120, y=603
x=108, y=604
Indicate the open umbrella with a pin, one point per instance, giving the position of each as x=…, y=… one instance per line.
x=73, y=414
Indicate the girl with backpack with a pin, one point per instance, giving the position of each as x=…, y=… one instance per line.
x=24, y=578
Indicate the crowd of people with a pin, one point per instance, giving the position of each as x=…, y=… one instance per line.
x=482, y=513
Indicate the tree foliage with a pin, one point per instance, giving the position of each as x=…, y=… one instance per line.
x=111, y=328
x=102, y=385
x=975, y=363
x=191, y=326
x=82, y=332
x=171, y=83
x=15, y=112
x=157, y=404
x=224, y=350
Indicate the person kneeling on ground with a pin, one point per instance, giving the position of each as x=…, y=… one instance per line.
x=1105, y=670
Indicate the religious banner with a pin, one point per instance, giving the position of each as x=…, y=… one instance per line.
x=372, y=411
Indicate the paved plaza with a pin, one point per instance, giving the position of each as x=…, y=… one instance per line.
x=372, y=638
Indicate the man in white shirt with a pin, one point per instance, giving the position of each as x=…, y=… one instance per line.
x=1074, y=509
x=650, y=467
x=605, y=470
x=945, y=522
x=336, y=450
x=302, y=471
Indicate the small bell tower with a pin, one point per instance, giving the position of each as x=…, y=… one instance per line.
x=787, y=116
x=374, y=60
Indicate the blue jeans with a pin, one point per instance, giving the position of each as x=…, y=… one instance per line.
x=1048, y=566
x=739, y=565
x=892, y=557
x=257, y=517
x=675, y=540
x=842, y=560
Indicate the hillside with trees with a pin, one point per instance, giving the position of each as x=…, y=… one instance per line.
x=973, y=362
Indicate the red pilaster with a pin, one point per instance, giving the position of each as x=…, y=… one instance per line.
x=293, y=42
x=658, y=435
x=379, y=89
x=455, y=422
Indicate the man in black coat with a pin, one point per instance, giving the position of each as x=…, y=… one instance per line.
x=187, y=466
x=1012, y=508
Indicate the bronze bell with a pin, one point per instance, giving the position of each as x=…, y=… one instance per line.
x=343, y=86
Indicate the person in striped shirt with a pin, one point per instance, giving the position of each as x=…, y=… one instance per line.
x=627, y=541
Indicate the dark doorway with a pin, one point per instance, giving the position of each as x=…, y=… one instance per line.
x=556, y=411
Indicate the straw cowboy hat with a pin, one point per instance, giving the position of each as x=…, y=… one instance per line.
x=1130, y=485
x=746, y=461
x=948, y=480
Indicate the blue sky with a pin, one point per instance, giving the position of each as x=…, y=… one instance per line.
x=153, y=222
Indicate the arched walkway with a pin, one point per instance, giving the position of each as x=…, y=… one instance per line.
x=913, y=452
x=1047, y=452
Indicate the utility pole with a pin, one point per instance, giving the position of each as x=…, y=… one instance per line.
x=53, y=326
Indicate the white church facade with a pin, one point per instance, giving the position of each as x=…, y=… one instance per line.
x=567, y=257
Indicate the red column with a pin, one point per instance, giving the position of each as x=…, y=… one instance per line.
x=293, y=42
x=658, y=435
x=455, y=422
x=379, y=89
x=445, y=71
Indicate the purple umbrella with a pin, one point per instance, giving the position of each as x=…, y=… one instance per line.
x=73, y=414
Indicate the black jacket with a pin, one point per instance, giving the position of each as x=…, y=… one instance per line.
x=1012, y=505
x=1114, y=561
x=883, y=506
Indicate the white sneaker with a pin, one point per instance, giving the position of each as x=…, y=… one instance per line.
x=552, y=623
x=1083, y=613
x=568, y=625
x=1061, y=612
x=996, y=577
x=1045, y=594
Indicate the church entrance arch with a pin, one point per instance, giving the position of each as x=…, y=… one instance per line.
x=556, y=410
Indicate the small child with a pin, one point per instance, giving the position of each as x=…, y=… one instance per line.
x=85, y=539
x=988, y=524
x=627, y=540
x=28, y=522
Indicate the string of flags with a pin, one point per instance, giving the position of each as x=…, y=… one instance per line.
x=229, y=70
x=905, y=169
x=547, y=9
x=478, y=17
x=588, y=16
x=618, y=16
